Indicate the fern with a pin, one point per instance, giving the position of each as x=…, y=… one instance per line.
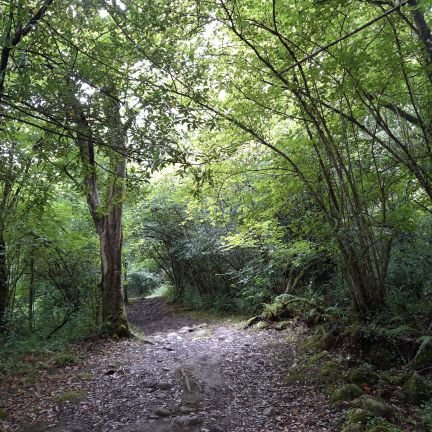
x=425, y=341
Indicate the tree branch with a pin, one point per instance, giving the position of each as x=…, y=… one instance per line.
x=12, y=42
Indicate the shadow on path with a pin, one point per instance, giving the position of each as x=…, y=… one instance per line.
x=154, y=315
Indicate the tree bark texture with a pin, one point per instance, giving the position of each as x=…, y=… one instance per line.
x=4, y=287
x=32, y=293
x=107, y=216
x=111, y=242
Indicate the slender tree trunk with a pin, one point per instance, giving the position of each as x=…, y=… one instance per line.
x=4, y=287
x=125, y=287
x=31, y=296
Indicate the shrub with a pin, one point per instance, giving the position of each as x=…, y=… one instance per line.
x=142, y=283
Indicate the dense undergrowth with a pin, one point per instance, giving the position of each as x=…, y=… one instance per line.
x=366, y=365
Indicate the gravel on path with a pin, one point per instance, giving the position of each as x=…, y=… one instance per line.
x=183, y=375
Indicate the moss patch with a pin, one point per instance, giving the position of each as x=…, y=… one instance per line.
x=65, y=359
x=71, y=396
x=3, y=413
x=348, y=392
x=262, y=325
x=395, y=377
x=373, y=406
x=417, y=388
x=85, y=376
x=363, y=375
x=322, y=368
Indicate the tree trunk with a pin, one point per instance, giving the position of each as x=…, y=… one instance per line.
x=4, y=287
x=113, y=309
x=107, y=216
x=125, y=285
x=111, y=247
x=31, y=296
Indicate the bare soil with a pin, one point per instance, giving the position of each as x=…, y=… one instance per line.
x=184, y=375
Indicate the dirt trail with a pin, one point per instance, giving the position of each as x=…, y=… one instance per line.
x=185, y=376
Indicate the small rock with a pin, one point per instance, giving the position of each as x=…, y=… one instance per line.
x=417, y=388
x=363, y=375
x=35, y=427
x=252, y=321
x=201, y=333
x=373, y=406
x=186, y=410
x=172, y=335
x=149, y=384
x=399, y=394
x=216, y=428
x=187, y=420
x=162, y=412
x=347, y=392
x=71, y=426
x=282, y=325
x=268, y=411
x=262, y=325
x=164, y=385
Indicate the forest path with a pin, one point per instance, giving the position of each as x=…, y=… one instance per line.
x=184, y=376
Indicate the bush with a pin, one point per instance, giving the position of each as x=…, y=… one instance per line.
x=142, y=283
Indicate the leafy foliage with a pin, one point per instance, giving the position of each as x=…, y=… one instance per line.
x=427, y=415
x=260, y=149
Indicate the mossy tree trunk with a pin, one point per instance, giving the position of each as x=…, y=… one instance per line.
x=113, y=309
x=107, y=213
x=111, y=241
